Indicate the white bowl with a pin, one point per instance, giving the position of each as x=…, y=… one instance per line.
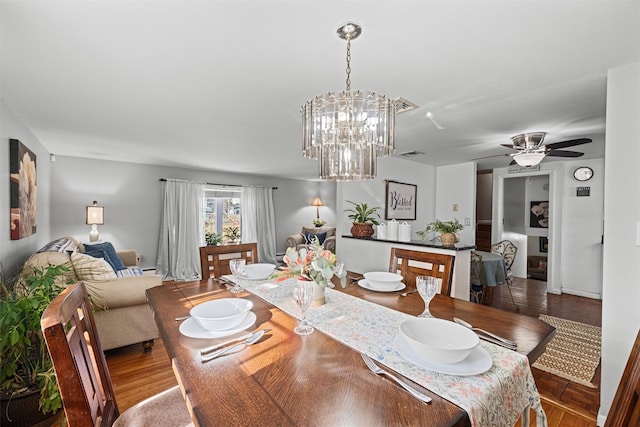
x=438, y=340
x=258, y=271
x=383, y=280
x=221, y=314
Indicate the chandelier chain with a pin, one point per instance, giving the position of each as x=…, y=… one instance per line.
x=348, y=64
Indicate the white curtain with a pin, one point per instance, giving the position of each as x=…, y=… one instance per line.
x=259, y=221
x=181, y=230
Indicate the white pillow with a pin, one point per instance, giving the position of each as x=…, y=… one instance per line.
x=90, y=268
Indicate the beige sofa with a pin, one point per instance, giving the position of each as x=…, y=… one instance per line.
x=122, y=314
x=298, y=240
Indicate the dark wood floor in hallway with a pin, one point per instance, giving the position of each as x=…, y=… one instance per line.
x=138, y=375
x=575, y=400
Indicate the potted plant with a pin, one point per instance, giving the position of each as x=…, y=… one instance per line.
x=363, y=218
x=232, y=234
x=26, y=371
x=212, y=238
x=448, y=231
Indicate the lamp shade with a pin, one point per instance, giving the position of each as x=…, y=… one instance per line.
x=95, y=214
x=317, y=202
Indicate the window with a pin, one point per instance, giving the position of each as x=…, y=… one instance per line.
x=222, y=215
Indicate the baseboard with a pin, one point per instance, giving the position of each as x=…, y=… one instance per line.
x=601, y=419
x=591, y=295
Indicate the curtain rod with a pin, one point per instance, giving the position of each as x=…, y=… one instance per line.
x=221, y=185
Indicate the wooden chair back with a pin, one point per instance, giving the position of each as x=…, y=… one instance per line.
x=214, y=260
x=81, y=369
x=411, y=264
x=625, y=409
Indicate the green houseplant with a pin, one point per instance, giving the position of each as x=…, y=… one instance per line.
x=212, y=238
x=363, y=217
x=26, y=368
x=232, y=233
x=448, y=231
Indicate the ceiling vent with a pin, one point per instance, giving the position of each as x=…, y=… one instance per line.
x=403, y=105
x=412, y=153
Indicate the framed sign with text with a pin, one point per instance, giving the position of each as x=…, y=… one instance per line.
x=400, y=200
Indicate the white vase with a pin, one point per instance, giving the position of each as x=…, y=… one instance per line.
x=318, y=295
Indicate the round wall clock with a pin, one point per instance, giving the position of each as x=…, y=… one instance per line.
x=583, y=173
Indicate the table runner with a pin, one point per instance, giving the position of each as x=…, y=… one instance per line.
x=496, y=398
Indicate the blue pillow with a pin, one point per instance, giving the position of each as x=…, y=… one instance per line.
x=309, y=238
x=110, y=252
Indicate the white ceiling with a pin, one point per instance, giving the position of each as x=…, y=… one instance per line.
x=219, y=84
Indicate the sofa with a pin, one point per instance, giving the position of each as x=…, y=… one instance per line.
x=537, y=267
x=121, y=311
x=326, y=236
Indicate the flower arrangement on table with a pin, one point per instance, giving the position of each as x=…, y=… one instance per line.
x=314, y=264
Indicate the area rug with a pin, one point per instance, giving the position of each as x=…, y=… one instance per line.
x=574, y=353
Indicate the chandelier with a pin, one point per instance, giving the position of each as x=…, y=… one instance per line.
x=347, y=131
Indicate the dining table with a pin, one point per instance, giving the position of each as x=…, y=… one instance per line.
x=320, y=379
x=493, y=269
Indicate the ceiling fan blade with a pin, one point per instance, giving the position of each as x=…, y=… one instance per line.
x=508, y=146
x=564, y=153
x=513, y=162
x=569, y=143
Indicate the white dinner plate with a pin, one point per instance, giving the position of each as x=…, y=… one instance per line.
x=192, y=329
x=364, y=284
x=478, y=362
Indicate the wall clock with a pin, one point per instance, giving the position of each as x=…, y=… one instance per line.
x=583, y=173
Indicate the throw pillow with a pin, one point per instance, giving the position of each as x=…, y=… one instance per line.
x=90, y=268
x=59, y=245
x=309, y=238
x=130, y=272
x=108, y=248
x=542, y=265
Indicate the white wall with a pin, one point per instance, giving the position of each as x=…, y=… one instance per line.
x=131, y=196
x=372, y=192
x=456, y=185
x=13, y=253
x=582, y=231
x=621, y=260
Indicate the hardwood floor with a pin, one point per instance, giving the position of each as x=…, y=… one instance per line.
x=137, y=375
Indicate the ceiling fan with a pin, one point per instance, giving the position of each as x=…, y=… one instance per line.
x=530, y=149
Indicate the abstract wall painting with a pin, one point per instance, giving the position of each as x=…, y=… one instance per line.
x=23, y=180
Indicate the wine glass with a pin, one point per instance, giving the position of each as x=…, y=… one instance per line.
x=427, y=288
x=237, y=269
x=302, y=295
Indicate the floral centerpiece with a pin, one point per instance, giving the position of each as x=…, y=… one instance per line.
x=314, y=264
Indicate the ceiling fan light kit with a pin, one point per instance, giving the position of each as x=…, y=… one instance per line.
x=528, y=159
x=347, y=131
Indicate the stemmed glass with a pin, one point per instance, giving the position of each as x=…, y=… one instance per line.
x=302, y=295
x=237, y=269
x=427, y=288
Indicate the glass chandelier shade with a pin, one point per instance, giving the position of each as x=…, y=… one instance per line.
x=529, y=159
x=346, y=131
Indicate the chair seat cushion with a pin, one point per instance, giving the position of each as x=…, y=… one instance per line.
x=164, y=409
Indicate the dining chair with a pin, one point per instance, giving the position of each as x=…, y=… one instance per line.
x=83, y=377
x=477, y=288
x=214, y=260
x=625, y=409
x=410, y=264
x=508, y=251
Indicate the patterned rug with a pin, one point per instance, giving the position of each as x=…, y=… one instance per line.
x=574, y=353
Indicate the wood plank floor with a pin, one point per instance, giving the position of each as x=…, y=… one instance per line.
x=137, y=375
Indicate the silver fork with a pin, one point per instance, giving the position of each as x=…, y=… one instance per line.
x=377, y=370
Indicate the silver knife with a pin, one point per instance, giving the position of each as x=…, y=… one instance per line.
x=226, y=343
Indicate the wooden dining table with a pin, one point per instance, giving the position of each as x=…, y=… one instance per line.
x=286, y=379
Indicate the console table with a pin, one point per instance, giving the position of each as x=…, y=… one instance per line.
x=362, y=255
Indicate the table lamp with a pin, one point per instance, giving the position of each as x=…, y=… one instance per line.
x=95, y=216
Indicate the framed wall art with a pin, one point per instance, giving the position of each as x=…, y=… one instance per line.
x=539, y=216
x=400, y=200
x=23, y=180
x=544, y=244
